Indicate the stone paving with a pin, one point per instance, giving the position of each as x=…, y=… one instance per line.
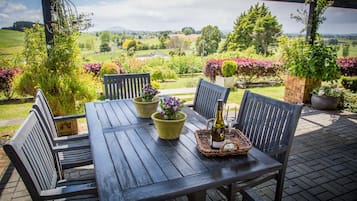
x=322, y=164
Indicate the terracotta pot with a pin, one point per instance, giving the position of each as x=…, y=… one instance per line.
x=169, y=129
x=324, y=102
x=145, y=109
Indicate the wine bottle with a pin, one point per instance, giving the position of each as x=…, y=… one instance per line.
x=218, y=127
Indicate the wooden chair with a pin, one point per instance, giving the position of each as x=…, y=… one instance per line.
x=124, y=86
x=73, y=151
x=206, y=98
x=32, y=157
x=45, y=108
x=270, y=125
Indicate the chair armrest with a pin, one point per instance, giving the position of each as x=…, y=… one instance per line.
x=279, y=149
x=62, y=118
x=65, y=139
x=71, y=146
x=69, y=191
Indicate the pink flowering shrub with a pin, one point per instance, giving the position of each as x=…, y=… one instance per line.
x=248, y=69
x=348, y=66
x=6, y=78
x=92, y=68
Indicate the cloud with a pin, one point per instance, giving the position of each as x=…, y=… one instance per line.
x=13, y=7
x=11, y=12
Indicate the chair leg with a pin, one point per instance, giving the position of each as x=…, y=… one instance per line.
x=279, y=186
x=231, y=193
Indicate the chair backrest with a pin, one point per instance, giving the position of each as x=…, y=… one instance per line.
x=206, y=98
x=43, y=108
x=269, y=124
x=125, y=86
x=31, y=155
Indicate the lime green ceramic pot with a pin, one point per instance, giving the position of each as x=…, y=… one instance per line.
x=169, y=129
x=145, y=109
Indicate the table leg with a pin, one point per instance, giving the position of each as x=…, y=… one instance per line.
x=197, y=196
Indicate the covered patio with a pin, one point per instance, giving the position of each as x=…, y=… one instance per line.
x=322, y=164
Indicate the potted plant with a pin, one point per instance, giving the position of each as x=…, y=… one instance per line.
x=326, y=97
x=146, y=104
x=307, y=65
x=169, y=122
x=228, y=69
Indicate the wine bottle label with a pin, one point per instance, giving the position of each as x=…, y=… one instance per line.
x=217, y=145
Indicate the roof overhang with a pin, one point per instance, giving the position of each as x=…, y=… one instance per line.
x=337, y=3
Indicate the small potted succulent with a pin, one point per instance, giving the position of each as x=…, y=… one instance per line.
x=326, y=97
x=147, y=102
x=170, y=120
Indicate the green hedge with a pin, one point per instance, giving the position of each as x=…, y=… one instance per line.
x=350, y=83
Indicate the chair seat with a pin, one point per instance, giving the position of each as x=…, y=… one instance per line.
x=75, y=158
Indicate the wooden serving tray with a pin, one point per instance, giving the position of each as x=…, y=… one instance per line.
x=235, y=144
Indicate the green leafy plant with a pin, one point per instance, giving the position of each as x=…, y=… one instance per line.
x=229, y=68
x=330, y=90
x=350, y=83
x=59, y=74
x=317, y=61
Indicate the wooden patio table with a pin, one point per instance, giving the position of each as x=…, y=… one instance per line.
x=132, y=163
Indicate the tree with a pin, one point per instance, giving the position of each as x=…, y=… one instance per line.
x=163, y=37
x=188, y=30
x=209, y=40
x=105, y=37
x=258, y=28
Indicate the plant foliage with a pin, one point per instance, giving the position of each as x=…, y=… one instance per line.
x=317, y=61
x=257, y=27
x=209, y=40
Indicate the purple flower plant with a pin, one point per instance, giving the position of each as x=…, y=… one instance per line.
x=148, y=93
x=170, y=107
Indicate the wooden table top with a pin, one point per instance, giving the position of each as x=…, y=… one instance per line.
x=132, y=163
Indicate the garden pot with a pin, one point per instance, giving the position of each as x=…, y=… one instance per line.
x=145, y=109
x=297, y=90
x=324, y=102
x=169, y=129
x=67, y=127
x=227, y=82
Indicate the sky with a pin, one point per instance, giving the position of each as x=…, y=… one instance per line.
x=159, y=15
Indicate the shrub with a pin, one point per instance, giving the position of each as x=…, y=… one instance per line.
x=350, y=83
x=212, y=68
x=350, y=101
x=92, y=68
x=111, y=68
x=155, y=84
x=317, y=61
x=348, y=66
x=105, y=47
x=185, y=64
x=248, y=69
x=162, y=73
x=6, y=81
x=229, y=68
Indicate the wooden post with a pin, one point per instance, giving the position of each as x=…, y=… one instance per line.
x=311, y=24
x=47, y=18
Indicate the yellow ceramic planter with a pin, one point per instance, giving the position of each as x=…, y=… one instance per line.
x=169, y=129
x=145, y=109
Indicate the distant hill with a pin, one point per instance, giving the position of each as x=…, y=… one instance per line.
x=20, y=25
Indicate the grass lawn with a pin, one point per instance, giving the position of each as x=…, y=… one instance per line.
x=11, y=111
